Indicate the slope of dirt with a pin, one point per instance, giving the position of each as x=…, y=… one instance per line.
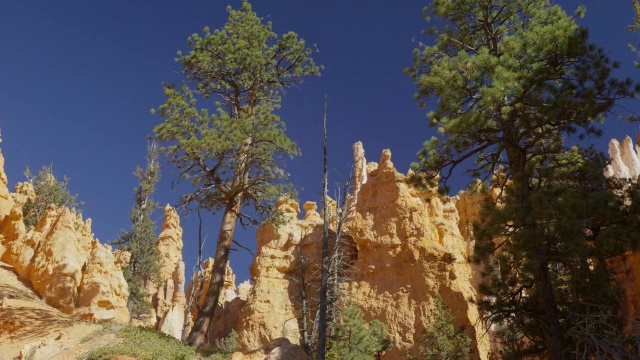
x=31, y=329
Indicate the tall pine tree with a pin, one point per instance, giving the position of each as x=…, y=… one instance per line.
x=140, y=240
x=232, y=155
x=512, y=79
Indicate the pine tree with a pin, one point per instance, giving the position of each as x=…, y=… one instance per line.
x=140, y=240
x=441, y=341
x=48, y=190
x=511, y=80
x=635, y=26
x=357, y=339
x=583, y=222
x=233, y=155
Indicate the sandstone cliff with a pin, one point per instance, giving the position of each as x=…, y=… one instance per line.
x=409, y=250
x=229, y=303
x=272, y=305
x=68, y=268
x=402, y=251
x=75, y=273
x=169, y=300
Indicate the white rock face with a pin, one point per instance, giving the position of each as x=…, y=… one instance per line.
x=169, y=299
x=173, y=320
x=625, y=163
x=360, y=167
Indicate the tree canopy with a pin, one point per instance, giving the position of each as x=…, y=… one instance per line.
x=511, y=81
x=511, y=78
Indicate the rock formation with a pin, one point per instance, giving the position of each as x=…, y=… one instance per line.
x=271, y=310
x=403, y=251
x=404, y=246
x=410, y=250
x=625, y=163
x=359, y=168
x=75, y=273
x=6, y=202
x=310, y=210
x=95, y=294
x=230, y=299
x=169, y=299
x=68, y=268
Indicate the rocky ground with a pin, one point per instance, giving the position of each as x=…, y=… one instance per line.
x=31, y=329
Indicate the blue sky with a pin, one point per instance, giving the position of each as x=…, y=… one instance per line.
x=77, y=80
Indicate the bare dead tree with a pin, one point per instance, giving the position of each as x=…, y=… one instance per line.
x=306, y=279
x=195, y=294
x=322, y=316
x=341, y=256
x=308, y=275
x=597, y=336
x=335, y=265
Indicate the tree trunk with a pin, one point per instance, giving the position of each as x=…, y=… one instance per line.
x=306, y=342
x=322, y=321
x=553, y=335
x=198, y=335
x=552, y=331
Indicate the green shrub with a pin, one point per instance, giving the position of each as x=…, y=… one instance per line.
x=357, y=339
x=49, y=190
x=144, y=344
x=227, y=345
x=441, y=341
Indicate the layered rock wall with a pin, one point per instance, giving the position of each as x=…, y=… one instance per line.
x=409, y=250
x=169, y=299
x=68, y=268
x=272, y=305
x=231, y=299
x=403, y=251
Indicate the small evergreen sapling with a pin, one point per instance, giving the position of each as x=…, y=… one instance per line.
x=227, y=345
x=357, y=339
x=140, y=239
x=48, y=190
x=441, y=341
